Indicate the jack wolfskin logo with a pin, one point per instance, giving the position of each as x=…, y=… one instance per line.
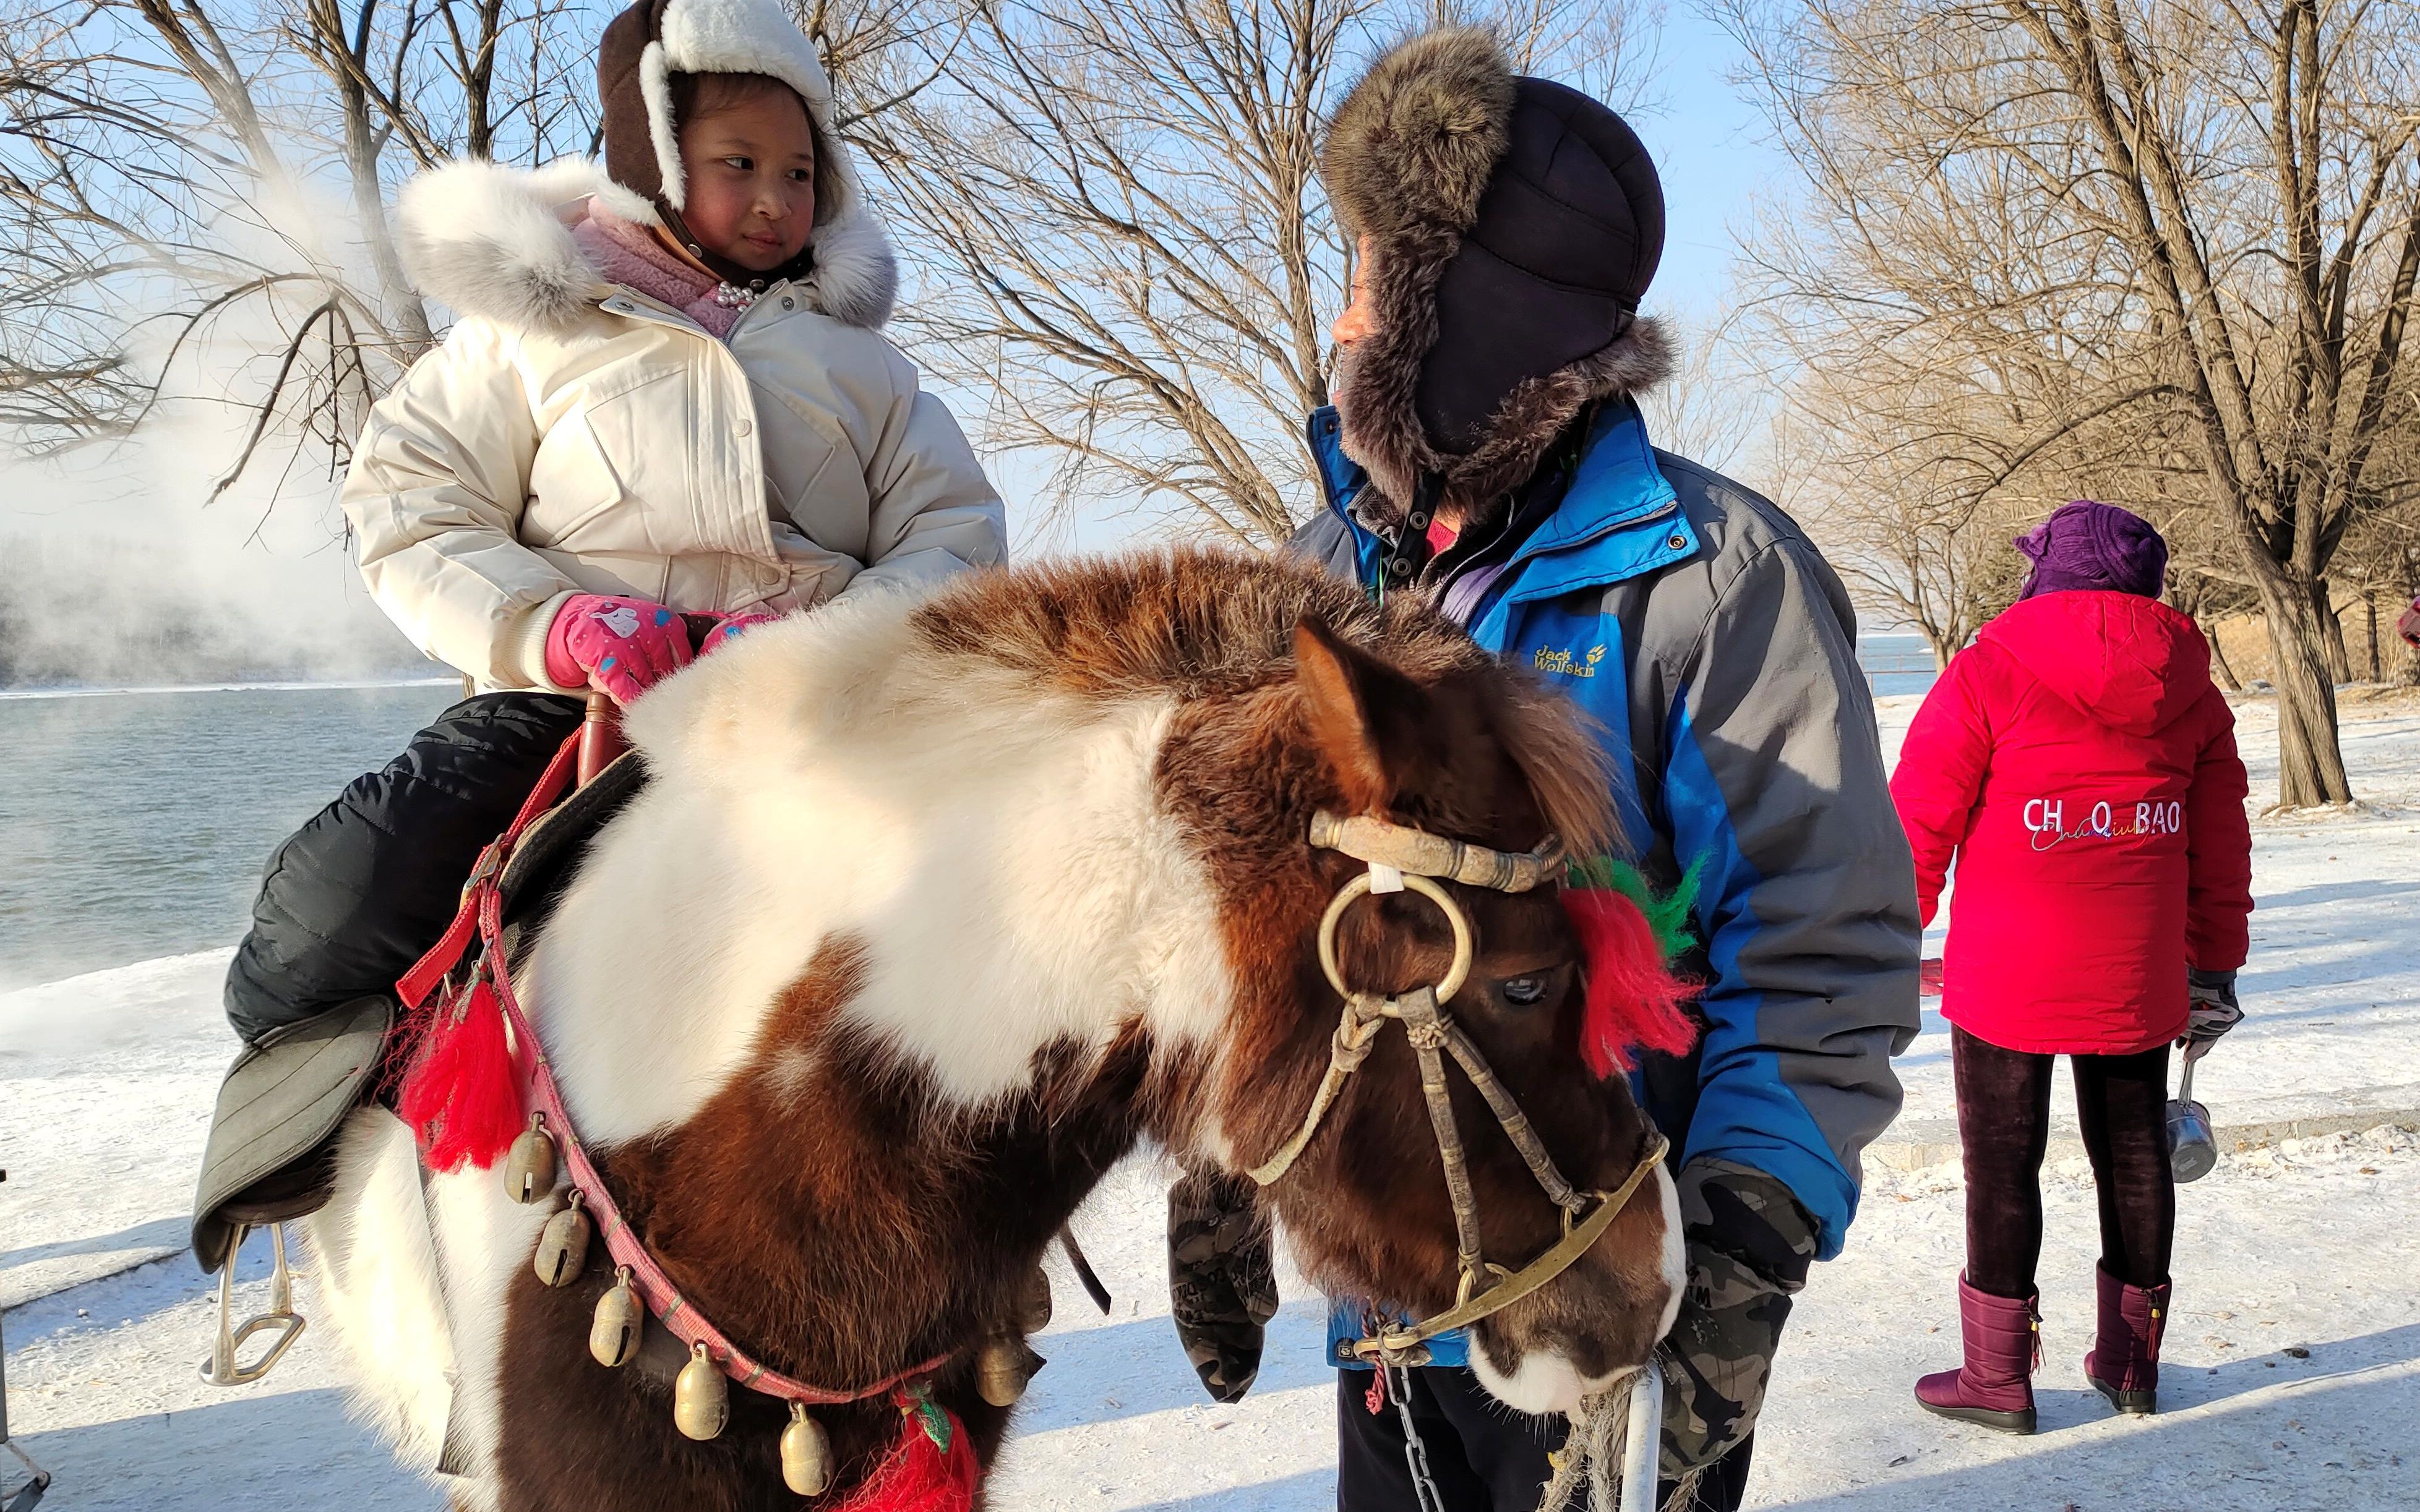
x=1563, y=664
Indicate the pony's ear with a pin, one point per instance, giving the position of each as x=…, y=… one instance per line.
x=1353, y=700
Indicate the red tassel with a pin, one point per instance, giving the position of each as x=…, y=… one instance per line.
x=462, y=1096
x=1633, y=1000
x=932, y=1468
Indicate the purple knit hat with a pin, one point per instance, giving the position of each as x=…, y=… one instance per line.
x=2096, y=546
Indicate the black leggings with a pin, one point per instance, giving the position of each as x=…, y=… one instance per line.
x=2004, y=1127
x=355, y=896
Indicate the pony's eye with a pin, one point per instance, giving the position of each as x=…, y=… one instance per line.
x=1524, y=992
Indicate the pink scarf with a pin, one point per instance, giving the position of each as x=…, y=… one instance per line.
x=628, y=254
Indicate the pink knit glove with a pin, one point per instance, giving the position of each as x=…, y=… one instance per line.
x=730, y=628
x=620, y=645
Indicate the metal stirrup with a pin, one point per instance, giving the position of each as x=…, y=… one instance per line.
x=219, y=1367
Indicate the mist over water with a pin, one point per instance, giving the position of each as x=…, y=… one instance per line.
x=135, y=826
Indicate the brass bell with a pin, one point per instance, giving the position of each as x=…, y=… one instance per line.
x=621, y=1317
x=1033, y=1308
x=1002, y=1369
x=563, y=1245
x=701, y=1396
x=806, y=1454
x=529, y=1168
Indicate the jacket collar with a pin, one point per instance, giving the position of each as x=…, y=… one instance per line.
x=494, y=241
x=1619, y=520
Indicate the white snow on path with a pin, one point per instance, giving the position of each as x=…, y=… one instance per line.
x=106, y=1083
x=105, y=1087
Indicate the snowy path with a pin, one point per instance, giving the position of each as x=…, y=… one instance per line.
x=105, y=1083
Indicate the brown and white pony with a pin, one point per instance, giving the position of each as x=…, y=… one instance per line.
x=932, y=910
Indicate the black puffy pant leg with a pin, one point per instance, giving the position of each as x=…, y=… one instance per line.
x=2004, y=1129
x=362, y=891
x=1482, y=1455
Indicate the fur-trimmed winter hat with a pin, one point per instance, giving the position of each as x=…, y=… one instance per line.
x=1513, y=226
x=646, y=45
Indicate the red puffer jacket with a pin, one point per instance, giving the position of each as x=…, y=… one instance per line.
x=2082, y=765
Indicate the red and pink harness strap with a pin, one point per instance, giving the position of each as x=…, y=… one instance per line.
x=530, y=1081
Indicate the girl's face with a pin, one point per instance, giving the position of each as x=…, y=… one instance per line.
x=750, y=163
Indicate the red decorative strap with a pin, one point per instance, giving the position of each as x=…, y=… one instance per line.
x=416, y=985
x=457, y=1127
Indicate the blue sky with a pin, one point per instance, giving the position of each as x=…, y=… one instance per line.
x=1710, y=146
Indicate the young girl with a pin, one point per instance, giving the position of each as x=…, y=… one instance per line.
x=2081, y=765
x=667, y=396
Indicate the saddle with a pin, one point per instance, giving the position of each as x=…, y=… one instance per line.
x=271, y=1153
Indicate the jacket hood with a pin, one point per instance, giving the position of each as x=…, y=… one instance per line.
x=494, y=241
x=1512, y=226
x=2130, y=662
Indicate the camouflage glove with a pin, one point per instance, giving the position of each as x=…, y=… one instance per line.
x=1749, y=1245
x=1220, y=1283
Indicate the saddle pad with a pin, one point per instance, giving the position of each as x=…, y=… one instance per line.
x=550, y=850
x=281, y=1100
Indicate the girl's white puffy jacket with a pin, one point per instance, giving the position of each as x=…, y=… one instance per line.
x=571, y=436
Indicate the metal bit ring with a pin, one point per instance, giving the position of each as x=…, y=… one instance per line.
x=1360, y=887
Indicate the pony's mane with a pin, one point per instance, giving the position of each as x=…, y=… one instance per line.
x=1192, y=622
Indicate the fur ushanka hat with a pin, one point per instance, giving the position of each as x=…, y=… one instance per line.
x=1514, y=224
x=645, y=45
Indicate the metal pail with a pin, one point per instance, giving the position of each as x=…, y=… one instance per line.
x=2193, y=1147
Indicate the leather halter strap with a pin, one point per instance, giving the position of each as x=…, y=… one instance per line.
x=482, y=916
x=1418, y=857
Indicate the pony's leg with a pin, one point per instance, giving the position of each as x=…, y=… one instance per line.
x=379, y=1290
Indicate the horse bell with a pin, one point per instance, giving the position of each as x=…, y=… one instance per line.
x=702, y=1396
x=1033, y=1308
x=614, y=1335
x=563, y=1245
x=806, y=1454
x=1002, y=1370
x=529, y=1168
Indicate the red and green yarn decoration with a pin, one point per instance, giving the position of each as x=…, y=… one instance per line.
x=1631, y=937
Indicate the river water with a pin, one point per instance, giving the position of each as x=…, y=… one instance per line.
x=136, y=824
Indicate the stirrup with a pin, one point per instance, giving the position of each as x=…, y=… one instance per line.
x=219, y=1367
x=24, y=1497
x=37, y=1479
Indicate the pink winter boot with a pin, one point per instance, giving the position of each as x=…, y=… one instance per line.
x=1994, y=1389
x=2124, y=1365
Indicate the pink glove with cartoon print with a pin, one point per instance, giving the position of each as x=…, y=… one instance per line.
x=730, y=628
x=622, y=645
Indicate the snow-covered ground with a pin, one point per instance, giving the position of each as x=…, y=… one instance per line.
x=2294, y=1356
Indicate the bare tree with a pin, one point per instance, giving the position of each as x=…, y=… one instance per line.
x=1125, y=251
x=192, y=199
x=2171, y=243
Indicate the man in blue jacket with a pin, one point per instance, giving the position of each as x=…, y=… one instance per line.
x=1485, y=450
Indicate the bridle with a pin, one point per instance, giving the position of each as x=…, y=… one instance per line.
x=1403, y=859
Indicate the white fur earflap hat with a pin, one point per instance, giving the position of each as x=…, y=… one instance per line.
x=646, y=45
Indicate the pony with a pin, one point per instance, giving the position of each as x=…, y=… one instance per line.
x=931, y=911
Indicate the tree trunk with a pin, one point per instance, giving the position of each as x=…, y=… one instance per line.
x=2225, y=674
x=2331, y=629
x=2310, y=765
x=2369, y=608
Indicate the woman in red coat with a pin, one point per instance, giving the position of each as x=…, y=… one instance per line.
x=2081, y=765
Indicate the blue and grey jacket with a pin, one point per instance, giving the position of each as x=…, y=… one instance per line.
x=1717, y=648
